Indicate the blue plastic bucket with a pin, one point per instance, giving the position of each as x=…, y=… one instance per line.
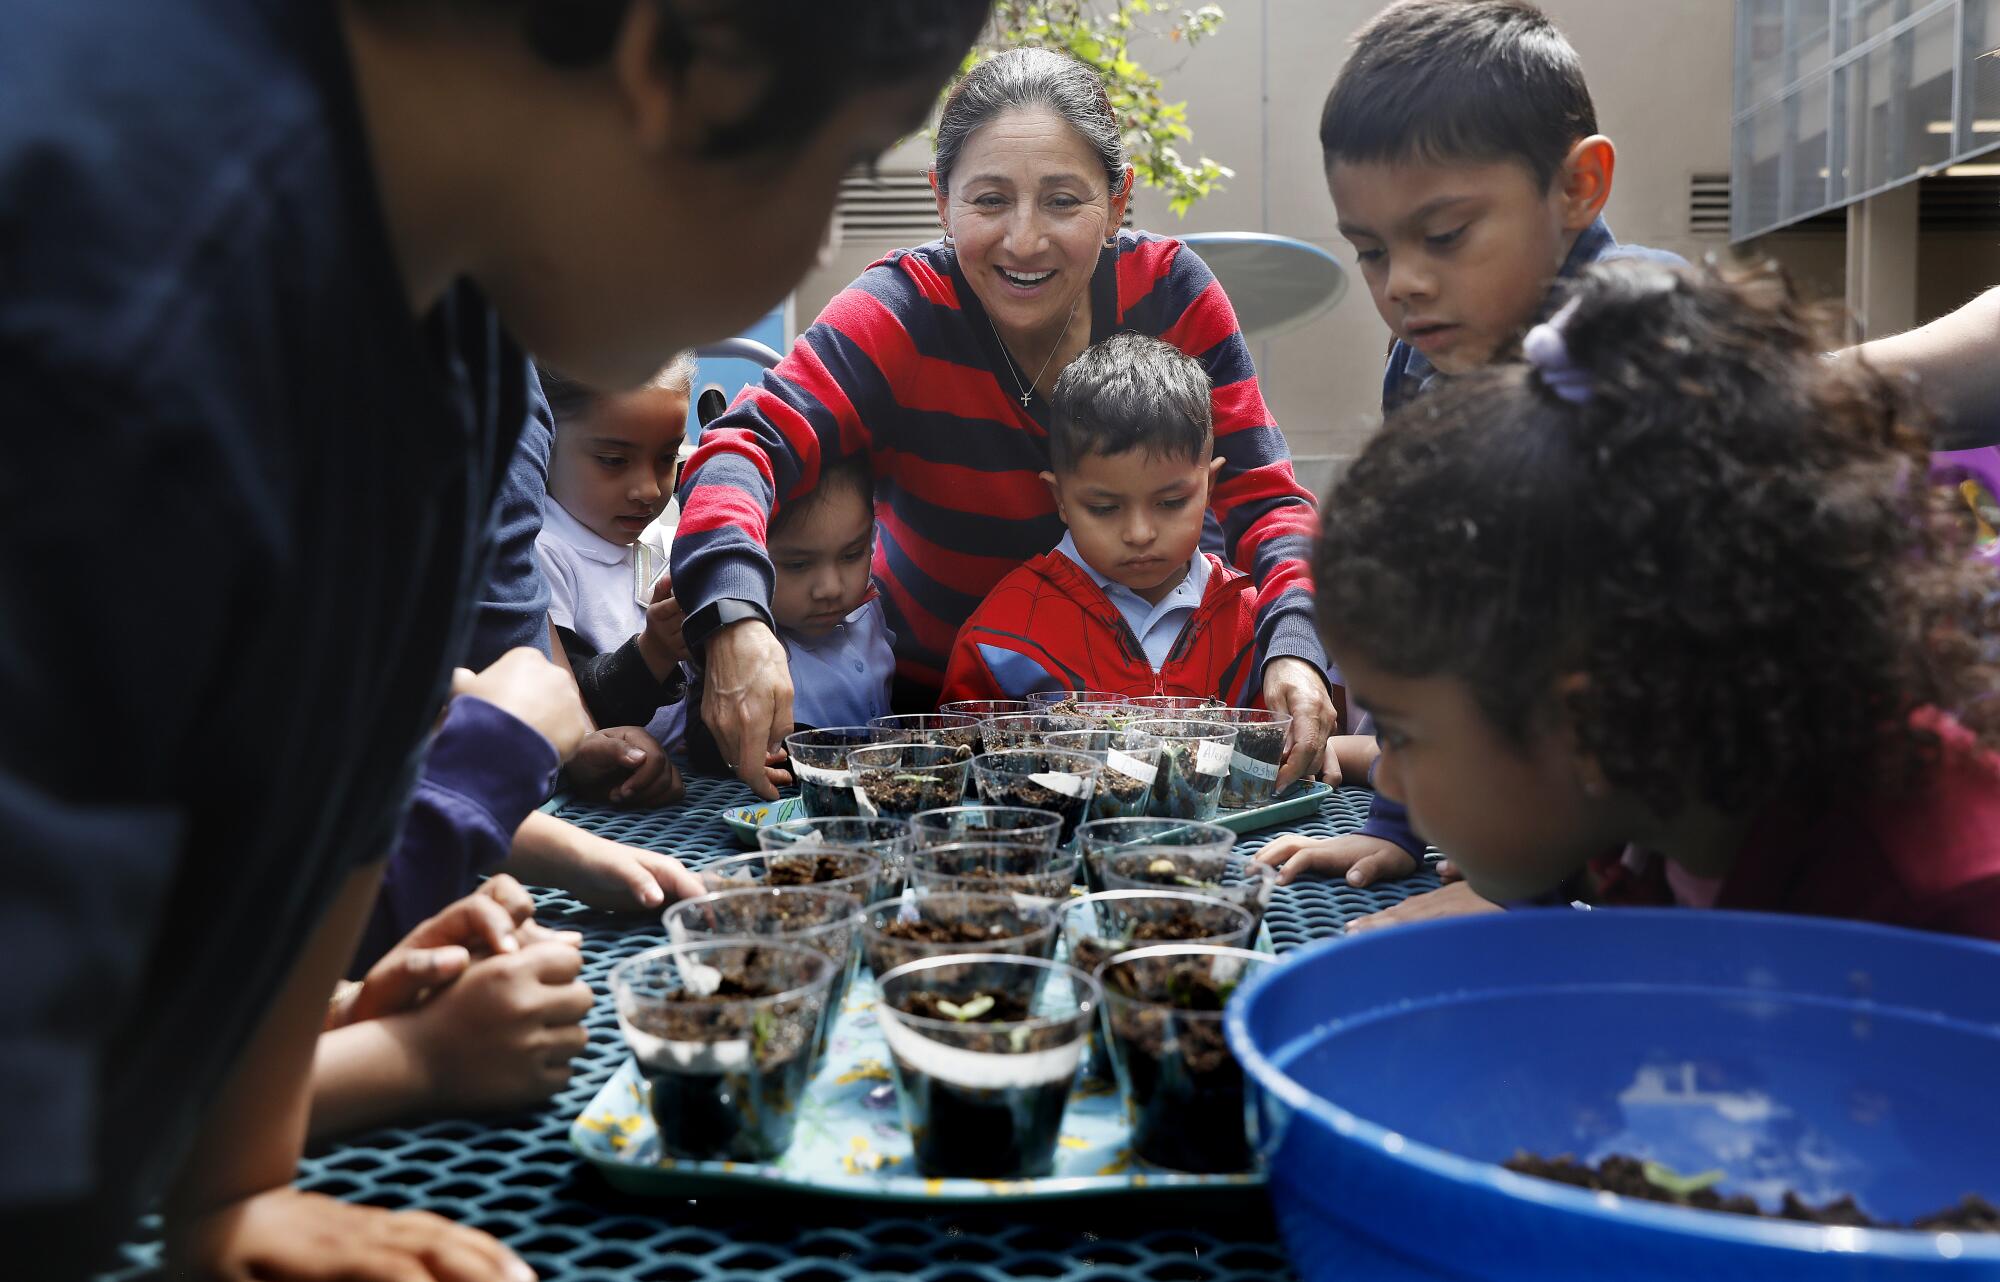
x=1392, y=1071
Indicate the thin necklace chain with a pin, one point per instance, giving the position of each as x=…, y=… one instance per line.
x=1028, y=392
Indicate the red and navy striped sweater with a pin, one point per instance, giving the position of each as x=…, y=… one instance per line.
x=903, y=366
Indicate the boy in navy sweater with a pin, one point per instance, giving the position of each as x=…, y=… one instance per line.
x=1467, y=171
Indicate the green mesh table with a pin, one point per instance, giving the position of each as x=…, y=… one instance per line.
x=517, y=1178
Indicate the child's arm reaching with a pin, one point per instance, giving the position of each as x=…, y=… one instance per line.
x=1385, y=848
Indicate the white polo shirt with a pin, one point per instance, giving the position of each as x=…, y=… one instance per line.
x=1156, y=626
x=593, y=589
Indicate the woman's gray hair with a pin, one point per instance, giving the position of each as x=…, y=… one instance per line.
x=1022, y=78
x=676, y=376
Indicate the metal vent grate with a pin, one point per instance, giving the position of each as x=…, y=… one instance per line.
x=1708, y=205
x=1960, y=203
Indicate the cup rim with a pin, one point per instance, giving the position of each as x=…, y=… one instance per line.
x=1228, y=842
x=1049, y=818
x=1189, y=948
x=908, y=833
x=987, y=759
x=1085, y=1006
x=619, y=978
x=1025, y=705
x=955, y=764
x=1162, y=892
x=1079, y=696
x=682, y=908
x=1221, y=730
x=965, y=719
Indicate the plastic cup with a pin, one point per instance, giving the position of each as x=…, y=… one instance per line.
x=1099, y=926
x=988, y=823
x=889, y=840
x=1026, y=730
x=987, y=709
x=822, y=866
x=1131, y=764
x=1165, y=705
x=1254, y=761
x=1183, y=1089
x=939, y=923
x=1067, y=701
x=1098, y=836
x=819, y=764
x=725, y=1075
x=1194, y=764
x=1239, y=879
x=1042, y=779
x=946, y=729
x=898, y=780
x=826, y=921
x=1021, y=868
x=985, y=1050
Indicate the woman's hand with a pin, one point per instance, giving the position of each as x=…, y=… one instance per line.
x=524, y=683
x=747, y=700
x=1295, y=687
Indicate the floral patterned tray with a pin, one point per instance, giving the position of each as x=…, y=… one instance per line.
x=851, y=1142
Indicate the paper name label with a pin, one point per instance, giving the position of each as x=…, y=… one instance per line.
x=1067, y=784
x=1256, y=769
x=821, y=775
x=1212, y=758
x=1131, y=767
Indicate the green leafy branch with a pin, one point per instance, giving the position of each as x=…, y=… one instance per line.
x=1157, y=134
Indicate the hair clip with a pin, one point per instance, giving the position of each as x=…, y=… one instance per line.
x=1546, y=348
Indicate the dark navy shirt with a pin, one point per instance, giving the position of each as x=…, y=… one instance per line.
x=243, y=508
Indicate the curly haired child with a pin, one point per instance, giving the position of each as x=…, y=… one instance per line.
x=1668, y=614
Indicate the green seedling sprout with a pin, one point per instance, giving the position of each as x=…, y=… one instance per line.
x=763, y=1027
x=1662, y=1176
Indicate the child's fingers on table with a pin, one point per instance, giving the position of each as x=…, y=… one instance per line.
x=1279, y=849
x=552, y=963
x=671, y=875
x=510, y=894
x=452, y=1252
x=565, y=1005
x=479, y=921
x=1382, y=865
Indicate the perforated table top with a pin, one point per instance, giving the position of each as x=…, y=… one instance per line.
x=517, y=1178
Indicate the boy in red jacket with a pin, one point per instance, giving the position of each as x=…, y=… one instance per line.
x=1127, y=602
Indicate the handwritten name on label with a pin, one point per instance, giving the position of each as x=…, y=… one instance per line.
x=1067, y=784
x=1212, y=758
x=1254, y=768
x=1131, y=767
x=821, y=775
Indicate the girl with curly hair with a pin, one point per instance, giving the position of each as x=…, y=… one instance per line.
x=1667, y=614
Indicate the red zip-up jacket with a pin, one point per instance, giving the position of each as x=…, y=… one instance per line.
x=1048, y=626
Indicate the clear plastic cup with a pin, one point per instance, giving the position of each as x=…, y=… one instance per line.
x=1194, y=765
x=987, y=823
x=1254, y=761
x=1026, y=730
x=1101, y=835
x=725, y=1074
x=819, y=765
x=889, y=840
x=1041, y=779
x=1131, y=762
x=938, y=923
x=985, y=1050
x=1239, y=879
x=824, y=920
x=1168, y=705
x=1099, y=926
x=1021, y=868
x=946, y=729
x=846, y=869
x=1182, y=1086
x=1066, y=702
x=898, y=780
x=987, y=709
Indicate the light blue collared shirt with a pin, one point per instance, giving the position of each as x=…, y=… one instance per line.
x=1156, y=626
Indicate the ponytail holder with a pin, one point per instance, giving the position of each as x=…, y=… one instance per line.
x=1546, y=348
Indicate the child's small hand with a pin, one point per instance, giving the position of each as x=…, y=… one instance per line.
x=504, y=1034
x=1349, y=758
x=625, y=766
x=498, y=918
x=1364, y=860
x=775, y=769
x=664, y=621
x=524, y=683
x=600, y=872
x=286, y=1235
x=1455, y=900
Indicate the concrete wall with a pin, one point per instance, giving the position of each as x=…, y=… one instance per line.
x=1659, y=69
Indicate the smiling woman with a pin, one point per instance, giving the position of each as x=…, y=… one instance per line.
x=936, y=367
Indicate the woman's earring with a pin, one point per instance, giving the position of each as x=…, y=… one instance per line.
x=947, y=235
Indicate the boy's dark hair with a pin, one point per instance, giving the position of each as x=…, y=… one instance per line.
x=1022, y=78
x=812, y=56
x=1730, y=540
x=854, y=475
x=1130, y=392
x=1459, y=80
